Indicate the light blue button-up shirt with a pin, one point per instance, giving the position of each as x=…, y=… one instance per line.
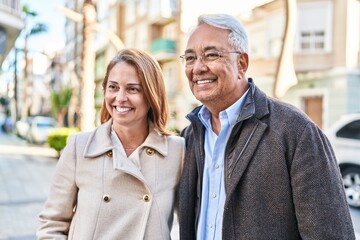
x=213, y=190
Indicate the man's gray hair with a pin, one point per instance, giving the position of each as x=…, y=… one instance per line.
x=237, y=37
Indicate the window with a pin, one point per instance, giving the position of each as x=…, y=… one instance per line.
x=314, y=27
x=351, y=130
x=274, y=35
x=313, y=40
x=130, y=12
x=141, y=8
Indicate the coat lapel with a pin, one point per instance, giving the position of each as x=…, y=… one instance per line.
x=99, y=141
x=245, y=137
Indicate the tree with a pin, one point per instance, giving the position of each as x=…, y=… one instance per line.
x=285, y=74
x=87, y=91
x=36, y=29
x=60, y=102
x=88, y=58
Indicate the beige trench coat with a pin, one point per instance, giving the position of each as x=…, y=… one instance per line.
x=89, y=199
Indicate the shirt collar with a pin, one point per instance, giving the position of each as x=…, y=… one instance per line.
x=231, y=113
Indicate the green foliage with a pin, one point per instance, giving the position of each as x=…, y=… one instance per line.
x=58, y=137
x=174, y=130
x=27, y=11
x=60, y=100
x=38, y=28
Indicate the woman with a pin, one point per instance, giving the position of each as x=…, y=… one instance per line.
x=119, y=181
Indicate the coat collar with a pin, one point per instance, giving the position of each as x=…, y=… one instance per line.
x=99, y=141
x=255, y=104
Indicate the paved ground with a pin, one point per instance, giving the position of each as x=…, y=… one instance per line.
x=25, y=174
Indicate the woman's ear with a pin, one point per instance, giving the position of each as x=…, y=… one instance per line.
x=243, y=63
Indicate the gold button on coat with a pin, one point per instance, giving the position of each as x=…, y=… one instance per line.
x=150, y=151
x=109, y=153
x=146, y=198
x=106, y=198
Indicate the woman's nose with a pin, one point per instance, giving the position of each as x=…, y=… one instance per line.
x=121, y=96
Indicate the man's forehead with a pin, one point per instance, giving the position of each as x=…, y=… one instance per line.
x=205, y=37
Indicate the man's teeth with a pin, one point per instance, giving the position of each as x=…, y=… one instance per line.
x=120, y=109
x=203, y=81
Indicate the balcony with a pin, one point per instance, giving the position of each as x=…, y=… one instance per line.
x=163, y=11
x=10, y=25
x=163, y=49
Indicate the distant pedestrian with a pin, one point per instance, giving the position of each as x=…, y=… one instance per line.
x=255, y=168
x=119, y=181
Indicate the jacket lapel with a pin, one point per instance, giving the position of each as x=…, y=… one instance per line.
x=245, y=137
x=237, y=159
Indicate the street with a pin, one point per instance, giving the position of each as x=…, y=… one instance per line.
x=25, y=177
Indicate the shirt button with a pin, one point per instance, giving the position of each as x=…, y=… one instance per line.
x=210, y=226
x=106, y=198
x=216, y=166
x=213, y=195
x=146, y=198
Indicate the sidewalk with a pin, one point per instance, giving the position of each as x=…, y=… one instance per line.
x=25, y=177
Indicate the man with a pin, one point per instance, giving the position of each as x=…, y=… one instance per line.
x=255, y=168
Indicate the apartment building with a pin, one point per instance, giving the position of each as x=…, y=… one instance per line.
x=10, y=25
x=150, y=25
x=153, y=26
x=326, y=55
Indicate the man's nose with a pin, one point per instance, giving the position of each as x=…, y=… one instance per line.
x=199, y=65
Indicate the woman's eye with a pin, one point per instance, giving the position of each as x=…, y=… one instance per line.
x=134, y=90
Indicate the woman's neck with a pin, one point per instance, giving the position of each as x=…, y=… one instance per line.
x=132, y=137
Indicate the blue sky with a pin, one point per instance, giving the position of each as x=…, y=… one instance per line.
x=54, y=39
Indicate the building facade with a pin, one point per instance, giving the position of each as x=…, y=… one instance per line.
x=326, y=55
x=11, y=25
x=150, y=25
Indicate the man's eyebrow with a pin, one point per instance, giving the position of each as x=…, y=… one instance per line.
x=208, y=48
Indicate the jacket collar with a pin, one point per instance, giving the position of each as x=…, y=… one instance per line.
x=255, y=104
x=100, y=142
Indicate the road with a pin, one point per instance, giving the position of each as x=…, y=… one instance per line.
x=25, y=176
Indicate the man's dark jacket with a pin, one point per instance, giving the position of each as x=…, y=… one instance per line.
x=281, y=177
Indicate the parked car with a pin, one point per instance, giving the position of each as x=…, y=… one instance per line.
x=39, y=129
x=22, y=127
x=344, y=136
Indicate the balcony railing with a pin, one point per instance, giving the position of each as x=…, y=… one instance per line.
x=163, y=49
x=163, y=45
x=11, y=6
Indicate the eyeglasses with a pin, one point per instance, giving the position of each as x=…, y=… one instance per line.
x=209, y=56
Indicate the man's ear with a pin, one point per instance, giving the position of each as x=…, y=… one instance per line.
x=243, y=62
